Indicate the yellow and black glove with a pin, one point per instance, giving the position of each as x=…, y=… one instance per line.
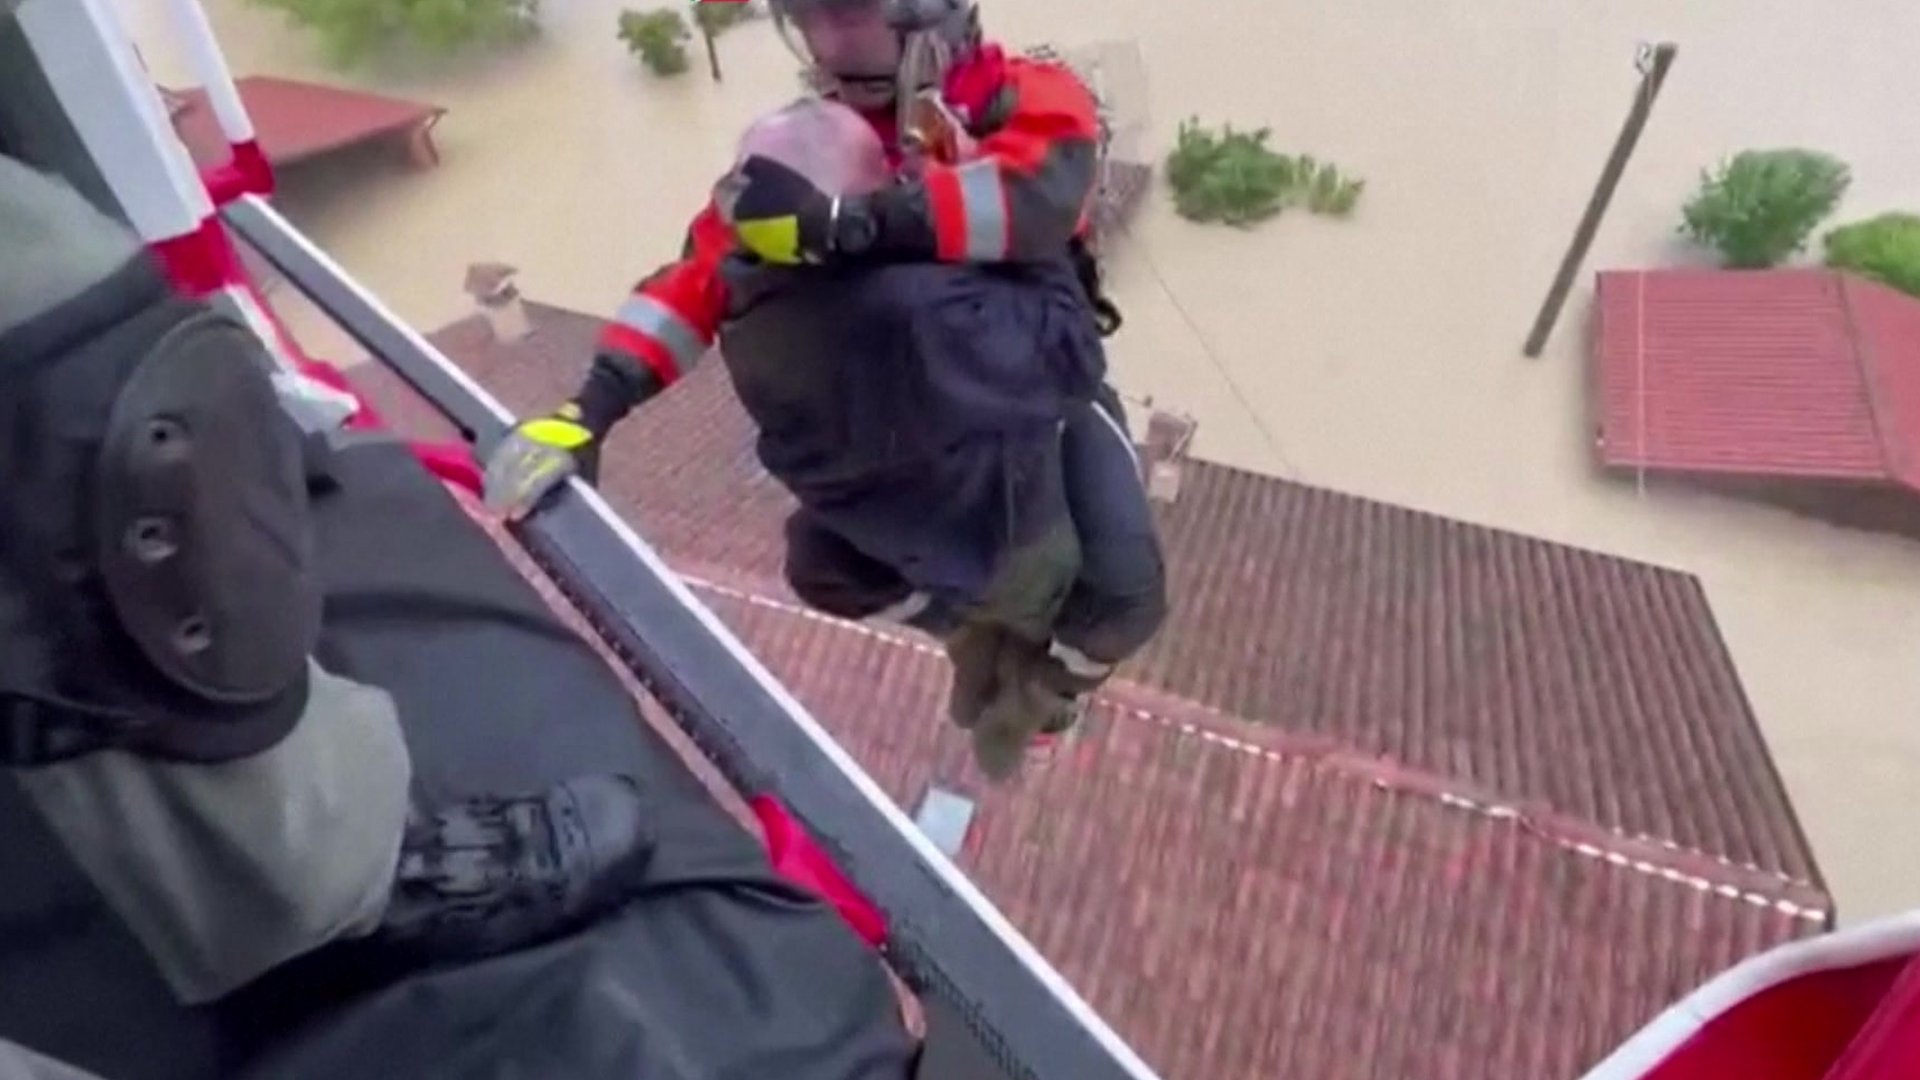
x=777, y=214
x=538, y=456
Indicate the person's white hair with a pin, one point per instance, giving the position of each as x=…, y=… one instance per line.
x=56, y=243
x=824, y=141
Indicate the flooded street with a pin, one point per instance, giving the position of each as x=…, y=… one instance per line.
x=1379, y=356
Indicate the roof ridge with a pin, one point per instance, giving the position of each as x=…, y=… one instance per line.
x=1648, y=854
x=1865, y=358
x=1703, y=871
x=1451, y=518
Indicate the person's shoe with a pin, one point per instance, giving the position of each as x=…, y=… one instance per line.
x=1059, y=733
x=491, y=875
x=974, y=651
x=1024, y=703
x=1065, y=718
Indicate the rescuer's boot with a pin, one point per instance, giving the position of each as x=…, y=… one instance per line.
x=489, y=875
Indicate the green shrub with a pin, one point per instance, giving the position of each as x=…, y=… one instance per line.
x=1326, y=191
x=1759, y=209
x=1233, y=177
x=1884, y=248
x=659, y=38
x=351, y=31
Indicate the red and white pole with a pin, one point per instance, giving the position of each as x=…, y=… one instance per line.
x=113, y=104
x=246, y=171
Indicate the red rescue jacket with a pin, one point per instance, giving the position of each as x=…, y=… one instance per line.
x=1022, y=198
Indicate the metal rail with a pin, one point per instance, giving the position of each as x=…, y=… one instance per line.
x=997, y=1009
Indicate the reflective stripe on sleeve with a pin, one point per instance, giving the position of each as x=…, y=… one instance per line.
x=650, y=318
x=983, y=197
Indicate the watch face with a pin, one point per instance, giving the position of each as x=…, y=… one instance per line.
x=857, y=230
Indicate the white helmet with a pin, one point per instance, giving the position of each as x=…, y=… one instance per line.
x=824, y=141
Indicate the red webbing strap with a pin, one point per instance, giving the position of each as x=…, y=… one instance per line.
x=799, y=859
x=201, y=262
x=245, y=173
x=452, y=462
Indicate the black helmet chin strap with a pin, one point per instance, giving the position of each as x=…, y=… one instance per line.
x=44, y=730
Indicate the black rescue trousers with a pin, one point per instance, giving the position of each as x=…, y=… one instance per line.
x=1063, y=610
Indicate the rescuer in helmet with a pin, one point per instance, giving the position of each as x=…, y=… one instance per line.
x=919, y=74
x=234, y=802
x=913, y=396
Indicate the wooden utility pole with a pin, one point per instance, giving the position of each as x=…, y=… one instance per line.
x=1653, y=64
x=713, y=54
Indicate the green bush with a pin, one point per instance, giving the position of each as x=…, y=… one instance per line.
x=1759, y=209
x=659, y=38
x=1324, y=188
x=352, y=31
x=1233, y=177
x=1884, y=248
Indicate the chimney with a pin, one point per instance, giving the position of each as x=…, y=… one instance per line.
x=1168, y=436
x=492, y=288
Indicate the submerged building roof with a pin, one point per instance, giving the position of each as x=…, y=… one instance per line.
x=1800, y=375
x=1394, y=796
x=296, y=121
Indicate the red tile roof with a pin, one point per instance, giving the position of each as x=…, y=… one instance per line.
x=1243, y=906
x=295, y=121
x=1594, y=685
x=1887, y=324
x=1805, y=374
x=1385, y=800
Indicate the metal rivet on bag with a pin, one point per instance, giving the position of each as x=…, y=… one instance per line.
x=192, y=636
x=165, y=435
x=150, y=539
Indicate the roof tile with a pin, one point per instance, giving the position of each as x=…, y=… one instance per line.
x=1239, y=912
x=1887, y=325
x=1734, y=372
x=1596, y=685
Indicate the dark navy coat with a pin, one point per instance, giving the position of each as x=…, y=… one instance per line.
x=915, y=408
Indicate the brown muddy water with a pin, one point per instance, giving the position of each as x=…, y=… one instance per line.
x=1378, y=356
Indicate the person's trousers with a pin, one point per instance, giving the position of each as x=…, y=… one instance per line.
x=1119, y=598
x=1094, y=587
x=225, y=871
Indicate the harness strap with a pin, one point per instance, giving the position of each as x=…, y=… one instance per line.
x=38, y=731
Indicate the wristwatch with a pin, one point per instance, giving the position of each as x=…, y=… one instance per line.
x=852, y=227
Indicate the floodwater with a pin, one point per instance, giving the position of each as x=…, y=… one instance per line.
x=1378, y=356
